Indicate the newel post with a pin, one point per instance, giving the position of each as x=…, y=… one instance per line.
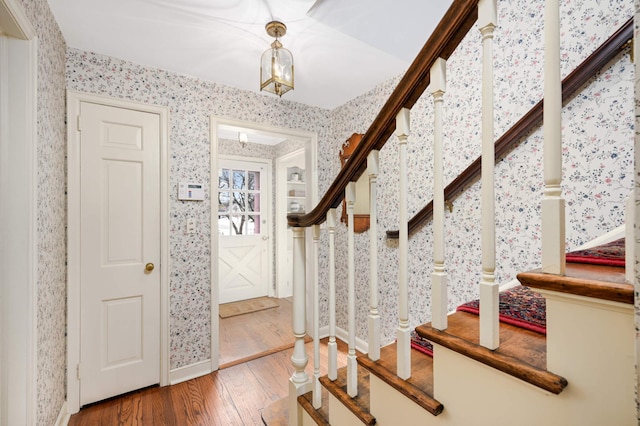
x=299, y=382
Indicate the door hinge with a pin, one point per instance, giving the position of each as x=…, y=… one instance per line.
x=78, y=371
x=79, y=127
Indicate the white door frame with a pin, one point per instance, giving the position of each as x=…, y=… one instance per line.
x=18, y=216
x=311, y=158
x=73, y=269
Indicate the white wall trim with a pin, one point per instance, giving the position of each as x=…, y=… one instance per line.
x=18, y=219
x=311, y=146
x=361, y=345
x=188, y=372
x=73, y=269
x=63, y=416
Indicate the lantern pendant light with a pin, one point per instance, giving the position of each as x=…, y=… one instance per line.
x=276, y=70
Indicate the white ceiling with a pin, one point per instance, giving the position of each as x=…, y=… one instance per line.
x=341, y=48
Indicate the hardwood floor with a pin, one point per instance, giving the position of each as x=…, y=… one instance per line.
x=231, y=396
x=245, y=337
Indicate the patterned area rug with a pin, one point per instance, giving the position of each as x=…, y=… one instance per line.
x=610, y=254
x=519, y=306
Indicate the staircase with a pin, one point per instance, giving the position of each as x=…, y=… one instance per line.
x=483, y=372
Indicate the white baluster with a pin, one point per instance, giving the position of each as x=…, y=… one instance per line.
x=553, y=216
x=439, y=277
x=352, y=365
x=489, y=325
x=317, y=395
x=404, y=333
x=299, y=382
x=332, y=346
x=374, y=315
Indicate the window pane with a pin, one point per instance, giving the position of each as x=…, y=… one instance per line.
x=238, y=224
x=223, y=225
x=254, y=180
x=223, y=201
x=238, y=202
x=254, y=202
x=239, y=179
x=254, y=221
x=223, y=178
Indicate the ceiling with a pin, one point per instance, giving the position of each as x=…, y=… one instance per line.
x=341, y=48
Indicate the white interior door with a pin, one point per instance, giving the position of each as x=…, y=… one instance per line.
x=244, y=227
x=120, y=251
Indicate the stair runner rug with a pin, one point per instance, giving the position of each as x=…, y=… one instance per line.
x=519, y=306
x=610, y=254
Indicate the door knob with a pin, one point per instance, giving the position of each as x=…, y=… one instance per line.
x=265, y=237
x=149, y=267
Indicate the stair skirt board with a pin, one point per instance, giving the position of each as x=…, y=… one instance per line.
x=340, y=415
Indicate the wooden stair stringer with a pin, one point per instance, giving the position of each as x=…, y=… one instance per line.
x=418, y=388
x=359, y=405
x=522, y=353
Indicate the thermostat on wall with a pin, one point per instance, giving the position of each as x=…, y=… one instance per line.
x=190, y=191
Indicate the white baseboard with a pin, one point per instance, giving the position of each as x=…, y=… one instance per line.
x=361, y=345
x=189, y=372
x=63, y=416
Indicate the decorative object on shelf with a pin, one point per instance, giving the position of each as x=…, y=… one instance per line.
x=276, y=69
x=361, y=213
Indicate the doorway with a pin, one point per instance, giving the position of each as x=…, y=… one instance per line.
x=227, y=137
x=117, y=247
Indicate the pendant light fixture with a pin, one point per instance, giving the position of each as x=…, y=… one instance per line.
x=276, y=70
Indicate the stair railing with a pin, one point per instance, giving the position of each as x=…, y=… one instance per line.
x=394, y=116
x=429, y=68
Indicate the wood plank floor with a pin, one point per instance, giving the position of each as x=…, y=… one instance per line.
x=245, y=337
x=231, y=396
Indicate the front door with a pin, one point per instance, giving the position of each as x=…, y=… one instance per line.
x=244, y=228
x=120, y=251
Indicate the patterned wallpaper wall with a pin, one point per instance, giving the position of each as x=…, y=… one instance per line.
x=51, y=214
x=597, y=158
x=190, y=102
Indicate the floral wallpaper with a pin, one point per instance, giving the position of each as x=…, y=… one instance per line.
x=597, y=159
x=191, y=102
x=51, y=214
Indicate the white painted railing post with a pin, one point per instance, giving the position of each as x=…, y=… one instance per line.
x=489, y=324
x=374, y=315
x=553, y=216
x=332, y=345
x=439, y=278
x=299, y=382
x=404, y=333
x=317, y=395
x=352, y=365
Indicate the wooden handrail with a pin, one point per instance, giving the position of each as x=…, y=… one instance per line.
x=452, y=28
x=511, y=139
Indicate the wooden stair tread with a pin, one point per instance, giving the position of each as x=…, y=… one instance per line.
x=359, y=405
x=321, y=415
x=522, y=353
x=418, y=388
x=596, y=281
